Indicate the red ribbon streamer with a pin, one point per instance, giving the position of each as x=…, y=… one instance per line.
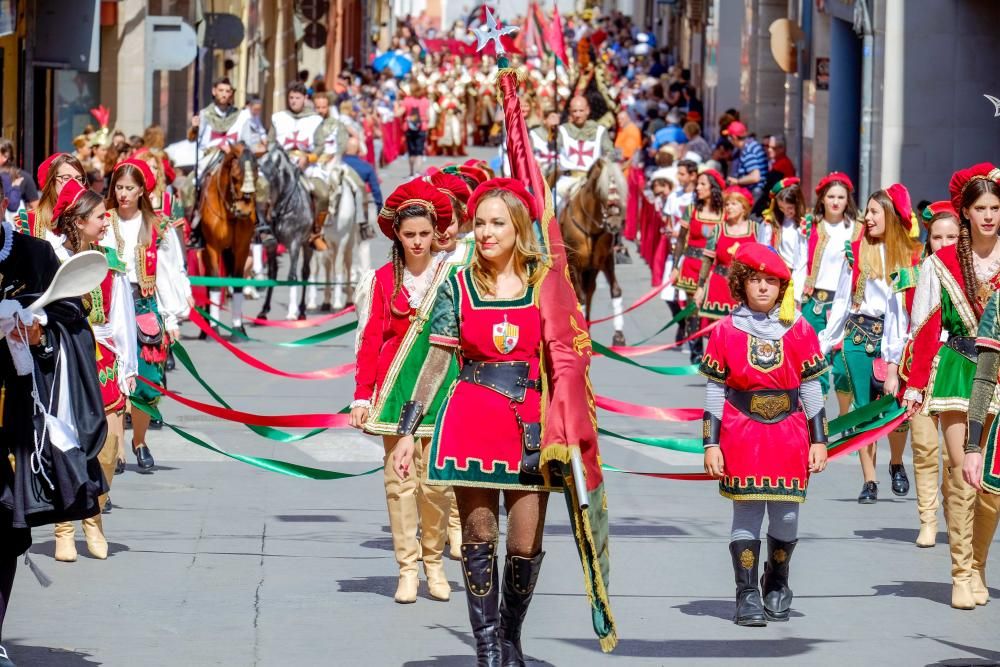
x=643, y=299
x=250, y=360
x=866, y=438
x=321, y=420
x=642, y=350
x=300, y=324
x=649, y=412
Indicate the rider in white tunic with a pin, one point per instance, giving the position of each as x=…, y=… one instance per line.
x=581, y=143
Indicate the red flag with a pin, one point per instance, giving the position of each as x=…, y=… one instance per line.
x=533, y=32
x=569, y=430
x=554, y=38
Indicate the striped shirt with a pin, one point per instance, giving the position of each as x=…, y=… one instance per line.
x=751, y=157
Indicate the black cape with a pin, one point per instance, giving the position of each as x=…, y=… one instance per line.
x=26, y=498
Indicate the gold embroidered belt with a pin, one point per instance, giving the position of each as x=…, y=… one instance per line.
x=767, y=406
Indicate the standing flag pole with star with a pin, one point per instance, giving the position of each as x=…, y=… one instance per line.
x=569, y=455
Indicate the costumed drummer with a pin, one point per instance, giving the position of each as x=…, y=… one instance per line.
x=765, y=426
x=390, y=301
x=48, y=482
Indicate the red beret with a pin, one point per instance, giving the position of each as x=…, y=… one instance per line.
x=961, y=179
x=943, y=206
x=765, y=259
x=515, y=187
x=43, y=168
x=900, y=197
x=149, y=180
x=835, y=177
x=417, y=192
x=782, y=184
x=454, y=185
x=70, y=194
x=739, y=191
x=735, y=129
x=716, y=176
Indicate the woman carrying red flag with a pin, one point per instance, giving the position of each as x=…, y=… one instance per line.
x=764, y=425
x=388, y=303
x=955, y=286
x=869, y=317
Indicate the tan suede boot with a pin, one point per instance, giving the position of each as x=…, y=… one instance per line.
x=401, y=500
x=984, y=526
x=926, y=450
x=65, y=542
x=454, y=529
x=108, y=458
x=93, y=530
x=433, y=504
x=959, y=501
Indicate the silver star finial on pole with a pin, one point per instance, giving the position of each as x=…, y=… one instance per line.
x=490, y=32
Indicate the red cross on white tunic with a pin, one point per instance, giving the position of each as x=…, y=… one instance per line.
x=545, y=156
x=223, y=137
x=295, y=143
x=580, y=153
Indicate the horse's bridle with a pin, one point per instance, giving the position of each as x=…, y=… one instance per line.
x=235, y=195
x=608, y=209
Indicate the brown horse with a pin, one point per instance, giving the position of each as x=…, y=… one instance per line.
x=590, y=221
x=228, y=220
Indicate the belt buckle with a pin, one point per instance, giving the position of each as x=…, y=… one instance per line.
x=770, y=406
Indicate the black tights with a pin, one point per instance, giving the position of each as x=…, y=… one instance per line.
x=8, y=565
x=480, y=512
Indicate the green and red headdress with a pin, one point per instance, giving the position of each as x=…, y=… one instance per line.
x=932, y=209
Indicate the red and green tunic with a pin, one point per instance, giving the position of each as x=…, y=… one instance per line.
x=397, y=385
x=477, y=440
x=718, y=301
x=763, y=461
x=700, y=228
x=939, y=373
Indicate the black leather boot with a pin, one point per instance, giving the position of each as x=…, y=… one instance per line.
x=774, y=584
x=482, y=593
x=749, y=608
x=519, y=578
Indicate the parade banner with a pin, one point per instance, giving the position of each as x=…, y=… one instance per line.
x=250, y=360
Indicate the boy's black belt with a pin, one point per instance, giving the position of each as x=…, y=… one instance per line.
x=767, y=406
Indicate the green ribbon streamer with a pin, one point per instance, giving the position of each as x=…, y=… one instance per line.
x=855, y=418
x=690, y=445
x=218, y=281
x=182, y=357
x=878, y=423
x=314, y=339
x=662, y=370
x=271, y=465
x=689, y=310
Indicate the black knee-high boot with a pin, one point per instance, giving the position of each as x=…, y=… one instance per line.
x=519, y=578
x=749, y=608
x=774, y=584
x=482, y=593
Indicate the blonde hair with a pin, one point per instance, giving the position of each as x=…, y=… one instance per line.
x=899, y=247
x=527, y=253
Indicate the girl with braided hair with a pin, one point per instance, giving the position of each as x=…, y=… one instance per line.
x=82, y=221
x=869, y=318
x=389, y=300
x=955, y=286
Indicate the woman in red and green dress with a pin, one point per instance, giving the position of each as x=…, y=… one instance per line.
x=488, y=315
x=833, y=226
x=713, y=296
x=869, y=319
x=696, y=228
x=53, y=174
x=764, y=425
x=394, y=305
x=955, y=286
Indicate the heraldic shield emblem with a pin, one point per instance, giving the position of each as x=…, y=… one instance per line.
x=505, y=336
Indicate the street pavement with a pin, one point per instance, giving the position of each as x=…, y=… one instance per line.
x=214, y=562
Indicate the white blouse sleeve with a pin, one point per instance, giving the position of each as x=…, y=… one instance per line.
x=172, y=285
x=363, y=304
x=897, y=327
x=123, y=329
x=800, y=268
x=834, y=331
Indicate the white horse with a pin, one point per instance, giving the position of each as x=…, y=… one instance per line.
x=342, y=235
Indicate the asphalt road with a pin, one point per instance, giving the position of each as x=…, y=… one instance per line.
x=214, y=562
